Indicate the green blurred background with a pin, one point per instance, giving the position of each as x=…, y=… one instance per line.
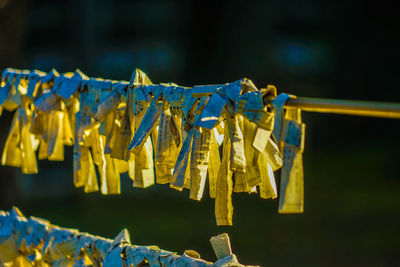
x=329, y=49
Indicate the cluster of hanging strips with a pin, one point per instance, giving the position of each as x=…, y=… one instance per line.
x=161, y=133
x=27, y=242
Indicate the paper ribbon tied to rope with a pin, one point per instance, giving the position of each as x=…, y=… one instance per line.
x=27, y=242
x=161, y=133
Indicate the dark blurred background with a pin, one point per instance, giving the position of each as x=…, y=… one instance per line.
x=328, y=49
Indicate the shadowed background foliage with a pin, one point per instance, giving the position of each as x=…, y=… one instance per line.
x=330, y=49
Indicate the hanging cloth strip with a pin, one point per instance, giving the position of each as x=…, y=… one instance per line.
x=32, y=241
x=158, y=133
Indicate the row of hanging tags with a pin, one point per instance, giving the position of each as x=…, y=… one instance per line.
x=164, y=133
x=28, y=242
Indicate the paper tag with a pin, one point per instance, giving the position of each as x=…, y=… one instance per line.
x=292, y=176
x=181, y=167
x=277, y=105
x=199, y=163
x=12, y=153
x=223, y=197
x=221, y=245
x=237, y=158
x=34, y=83
x=71, y=85
x=167, y=150
x=149, y=121
x=252, y=174
x=214, y=165
x=212, y=111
